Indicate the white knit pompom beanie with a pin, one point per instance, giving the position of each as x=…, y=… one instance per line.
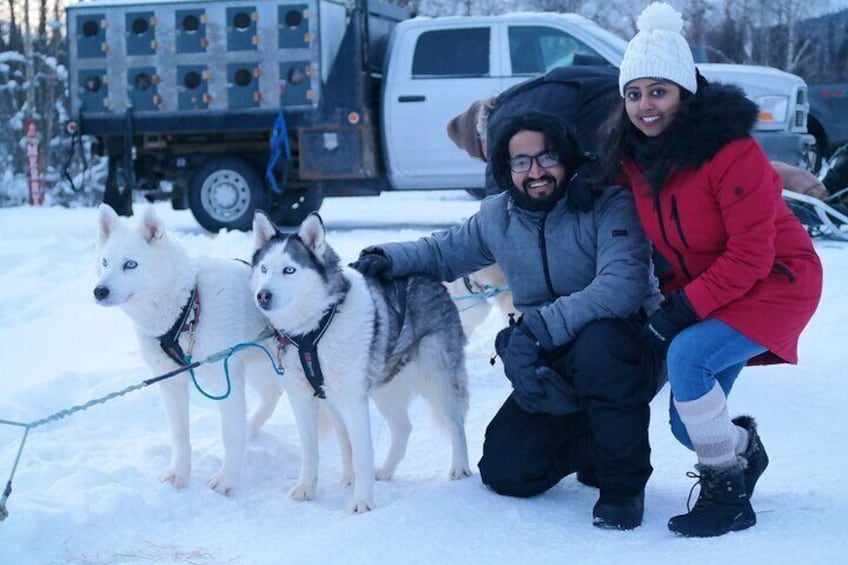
x=658, y=50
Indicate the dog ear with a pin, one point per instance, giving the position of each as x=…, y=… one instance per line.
x=312, y=234
x=263, y=229
x=151, y=227
x=108, y=221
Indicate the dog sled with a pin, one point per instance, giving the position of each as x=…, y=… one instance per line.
x=825, y=215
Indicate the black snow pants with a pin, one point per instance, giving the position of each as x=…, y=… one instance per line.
x=615, y=375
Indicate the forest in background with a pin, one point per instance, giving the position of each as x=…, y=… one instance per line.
x=803, y=37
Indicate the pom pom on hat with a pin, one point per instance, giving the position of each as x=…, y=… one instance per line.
x=660, y=16
x=658, y=50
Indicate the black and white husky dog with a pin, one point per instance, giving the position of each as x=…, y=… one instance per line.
x=344, y=338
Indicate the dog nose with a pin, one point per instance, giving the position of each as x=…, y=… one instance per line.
x=101, y=292
x=263, y=297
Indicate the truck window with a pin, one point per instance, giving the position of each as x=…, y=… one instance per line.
x=452, y=53
x=535, y=50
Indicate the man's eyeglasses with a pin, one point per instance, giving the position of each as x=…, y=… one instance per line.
x=523, y=163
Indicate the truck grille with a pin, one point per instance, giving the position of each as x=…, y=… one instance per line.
x=802, y=108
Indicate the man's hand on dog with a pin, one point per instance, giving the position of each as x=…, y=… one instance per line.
x=374, y=263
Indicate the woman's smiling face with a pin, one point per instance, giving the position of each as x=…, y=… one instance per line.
x=651, y=104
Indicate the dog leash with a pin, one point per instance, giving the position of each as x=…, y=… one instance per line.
x=488, y=291
x=190, y=366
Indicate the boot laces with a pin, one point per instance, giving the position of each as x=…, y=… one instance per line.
x=704, y=496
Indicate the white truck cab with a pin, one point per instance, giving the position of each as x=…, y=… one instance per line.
x=436, y=67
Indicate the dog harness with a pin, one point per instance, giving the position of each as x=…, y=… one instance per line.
x=307, y=350
x=170, y=341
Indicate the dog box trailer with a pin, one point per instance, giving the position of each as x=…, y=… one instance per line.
x=192, y=92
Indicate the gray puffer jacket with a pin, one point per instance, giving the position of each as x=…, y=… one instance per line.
x=575, y=267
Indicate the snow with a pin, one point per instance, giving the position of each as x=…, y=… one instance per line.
x=86, y=490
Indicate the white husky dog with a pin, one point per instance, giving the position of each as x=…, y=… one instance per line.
x=181, y=307
x=343, y=337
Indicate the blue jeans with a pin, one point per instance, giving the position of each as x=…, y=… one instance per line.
x=698, y=357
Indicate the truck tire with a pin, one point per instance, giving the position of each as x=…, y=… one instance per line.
x=225, y=192
x=292, y=206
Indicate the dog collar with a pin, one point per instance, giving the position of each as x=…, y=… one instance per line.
x=307, y=350
x=170, y=341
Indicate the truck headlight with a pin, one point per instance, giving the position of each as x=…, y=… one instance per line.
x=774, y=111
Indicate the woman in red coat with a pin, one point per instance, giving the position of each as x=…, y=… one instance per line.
x=739, y=273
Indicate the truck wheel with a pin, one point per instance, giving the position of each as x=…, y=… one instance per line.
x=292, y=207
x=225, y=192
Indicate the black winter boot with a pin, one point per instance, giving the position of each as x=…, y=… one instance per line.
x=755, y=459
x=614, y=512
x=722, y=505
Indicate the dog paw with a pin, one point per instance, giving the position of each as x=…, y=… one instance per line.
x=176, y=479
x=360, y=506
x=383, y=474
x=459, y=473
x=221, y=484
x=302, y=492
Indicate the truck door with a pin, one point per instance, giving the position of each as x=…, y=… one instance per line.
x=434, y=75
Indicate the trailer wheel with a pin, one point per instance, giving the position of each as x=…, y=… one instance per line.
x=292, y=207
x=225, y=192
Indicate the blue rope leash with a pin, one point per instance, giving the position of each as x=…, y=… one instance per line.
x=234, y=349
x=190, y=366
x=489, y=291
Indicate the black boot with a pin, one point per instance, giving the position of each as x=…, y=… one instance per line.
x=614, y=512
x=755, y=459
x=722, y=505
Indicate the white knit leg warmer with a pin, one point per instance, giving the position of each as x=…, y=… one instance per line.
x=713, y=435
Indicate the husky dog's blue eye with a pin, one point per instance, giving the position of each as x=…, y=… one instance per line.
x=263, y=269
x=289, y=270
x=130, y=264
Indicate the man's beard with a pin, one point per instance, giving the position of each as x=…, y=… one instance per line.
x=544, y=203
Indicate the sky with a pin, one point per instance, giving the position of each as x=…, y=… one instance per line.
x=86, y=489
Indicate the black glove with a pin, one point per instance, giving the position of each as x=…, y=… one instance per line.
x=523, y=354
x=676, y=313
x=374, y=263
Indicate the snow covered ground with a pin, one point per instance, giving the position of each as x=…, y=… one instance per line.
x=86, y=490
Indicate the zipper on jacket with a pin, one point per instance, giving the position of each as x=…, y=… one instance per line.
x=543, y=246
x=675, y=215
x=658, y=210
x=781, y=268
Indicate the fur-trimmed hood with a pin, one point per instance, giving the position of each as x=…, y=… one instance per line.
x=704, y=123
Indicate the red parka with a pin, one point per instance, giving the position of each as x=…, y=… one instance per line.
x=732, y=244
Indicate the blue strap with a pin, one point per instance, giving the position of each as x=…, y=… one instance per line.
x=279, y=141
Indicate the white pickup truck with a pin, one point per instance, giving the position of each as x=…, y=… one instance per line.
x=437, y=66
x=275, y=104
